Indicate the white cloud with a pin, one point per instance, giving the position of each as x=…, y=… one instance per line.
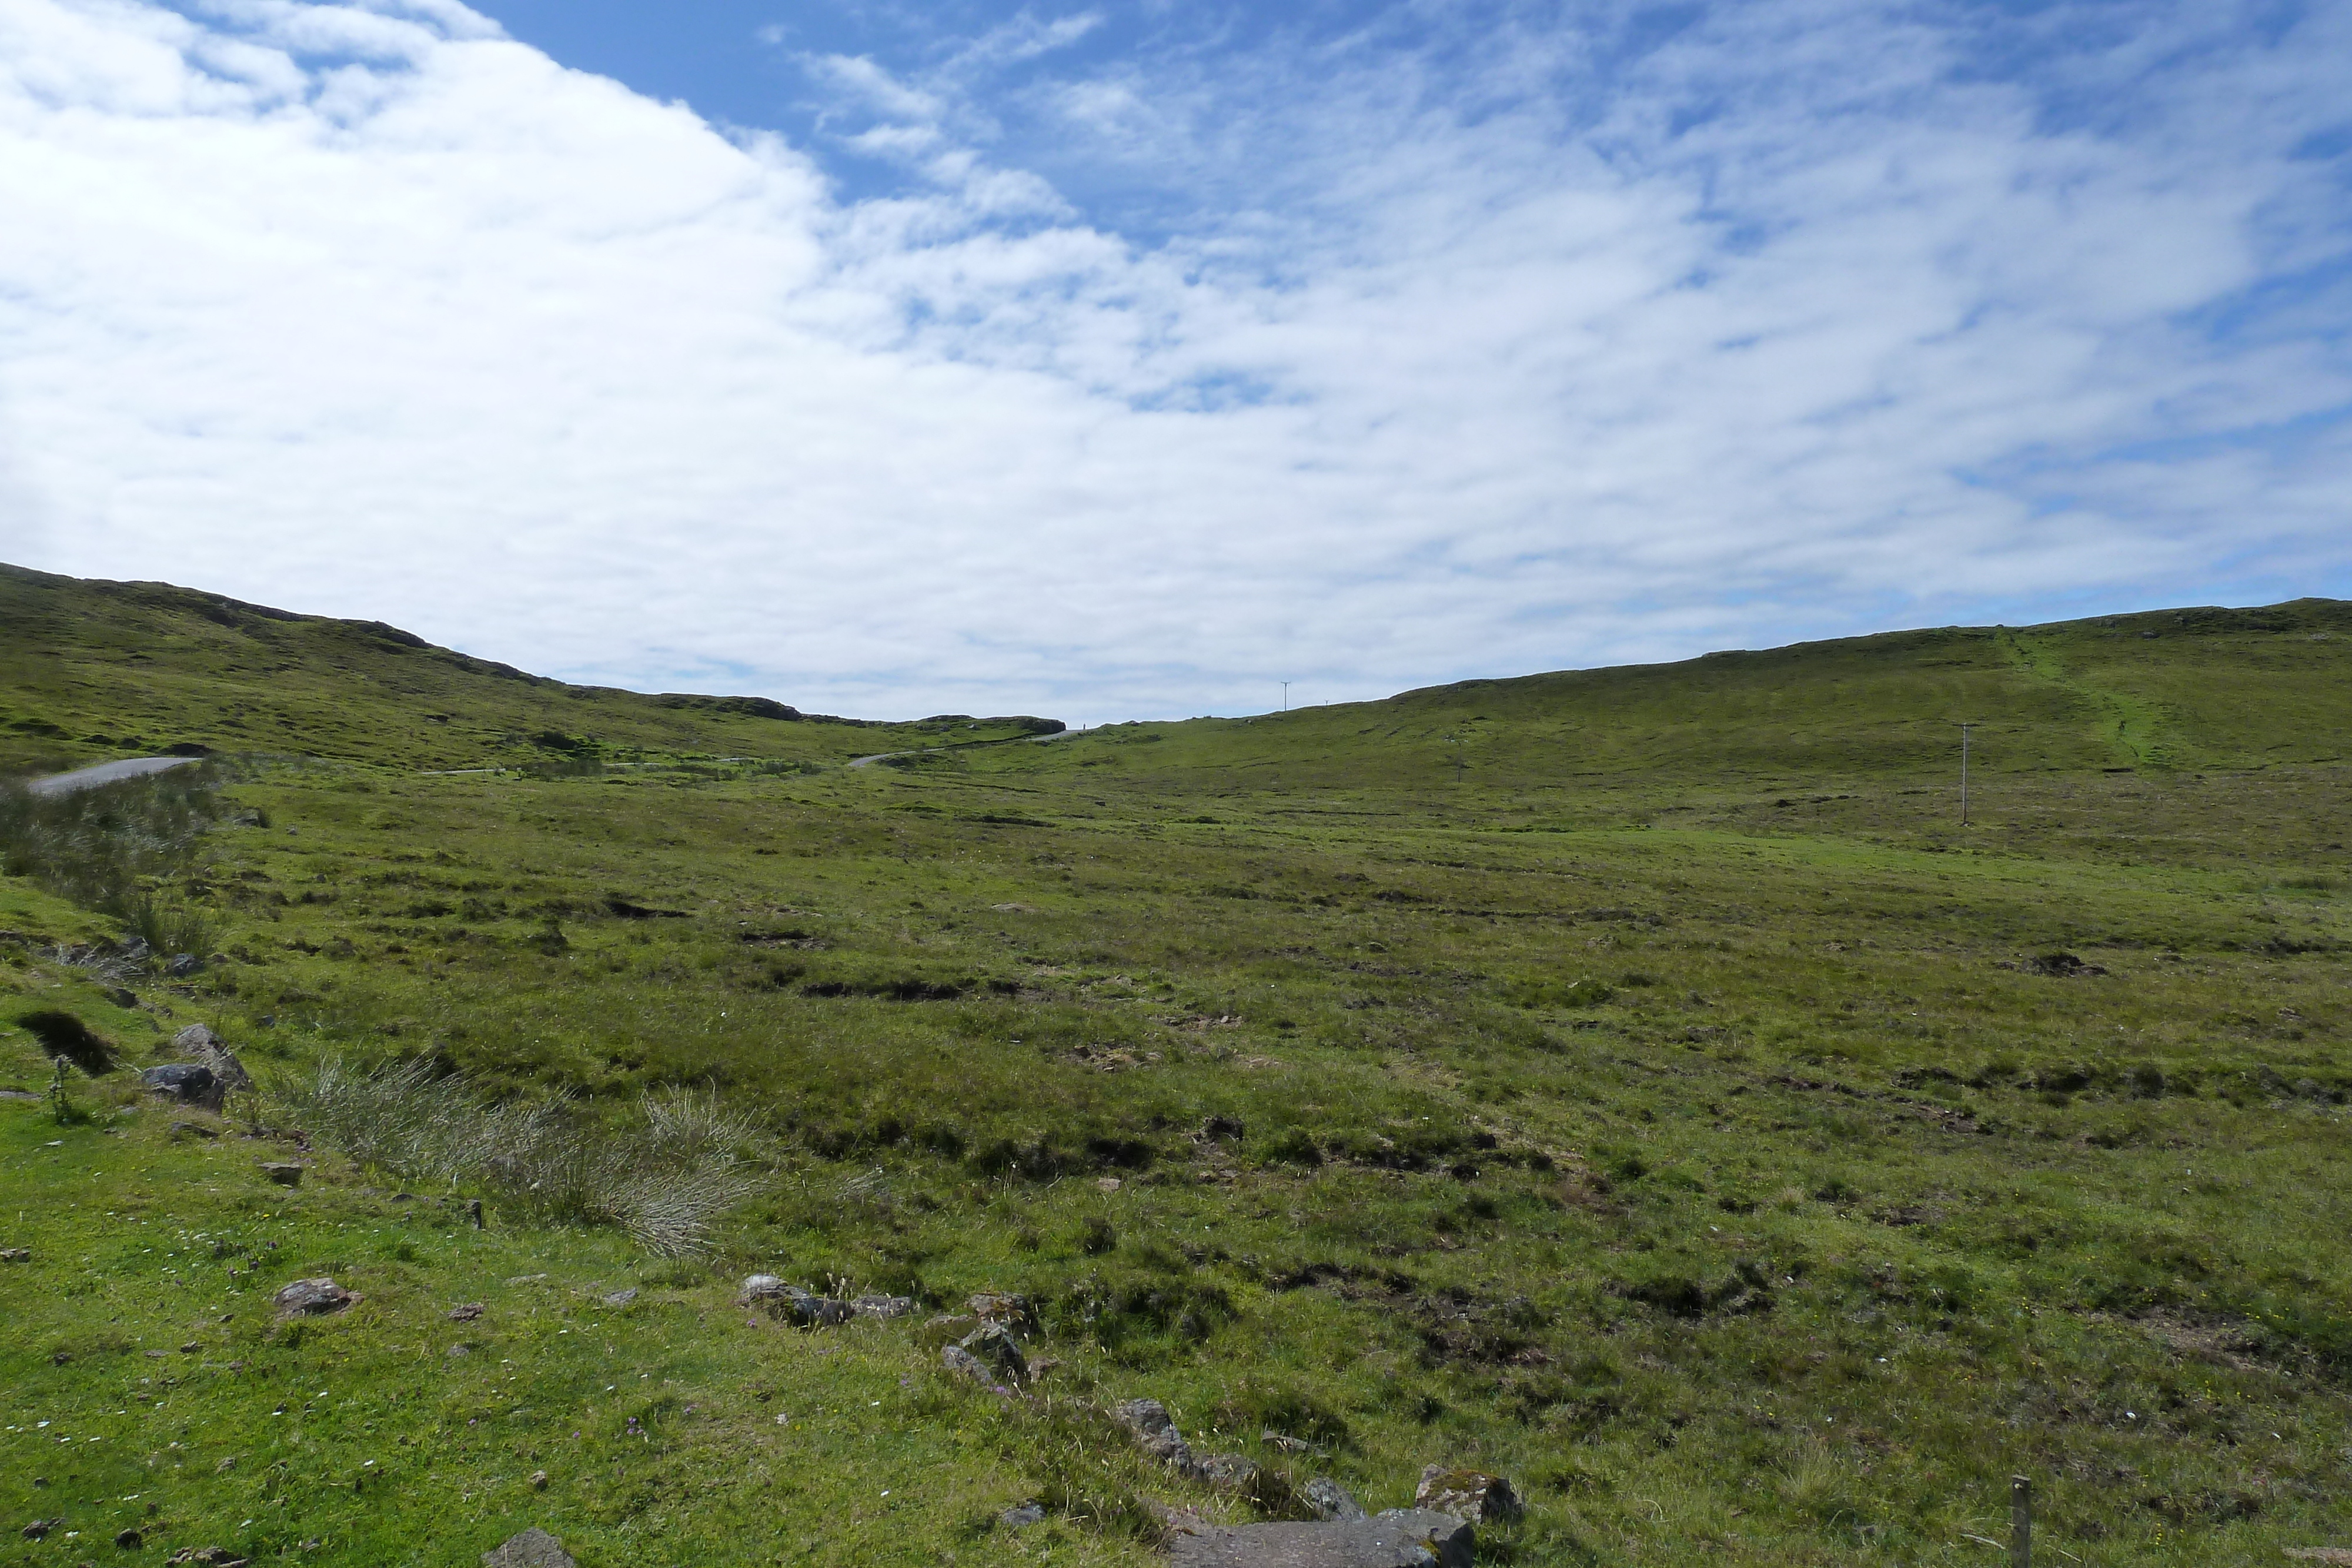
x=1784, y=327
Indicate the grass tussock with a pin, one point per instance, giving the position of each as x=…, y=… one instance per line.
x=663, y=1182
x=106, y=847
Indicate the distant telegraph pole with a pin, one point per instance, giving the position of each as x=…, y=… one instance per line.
x=1285, y=697
x=1964, y=773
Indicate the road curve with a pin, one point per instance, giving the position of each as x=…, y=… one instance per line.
x=105, y=773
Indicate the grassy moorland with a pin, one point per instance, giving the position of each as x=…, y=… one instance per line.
x=1635, y=1081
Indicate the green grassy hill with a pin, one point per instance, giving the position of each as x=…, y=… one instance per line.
x=2176, y=690
x=94, y=670
x=1674, y=1108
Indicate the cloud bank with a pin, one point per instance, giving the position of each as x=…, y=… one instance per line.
x=1452, y=344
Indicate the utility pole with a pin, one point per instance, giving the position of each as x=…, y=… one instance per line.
x=1964, y=773
x=1285, y=697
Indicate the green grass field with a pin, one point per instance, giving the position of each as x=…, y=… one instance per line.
x=1635, y=1081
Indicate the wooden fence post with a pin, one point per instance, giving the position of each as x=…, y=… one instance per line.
x=2020, y=1523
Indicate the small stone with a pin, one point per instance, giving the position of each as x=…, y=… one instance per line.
x=539, y=1481
x=1108, y=1183
x=40, y=1528
x=457, y=1351
x=1331, y=1501
x=622, y=1298
x=1472, y=1496
x=465, y=1314
x=282, y=1173
x=15, y=1254
x=1023, y=1517
x=534, y=1547
x=180, y=966
x=310, y=1298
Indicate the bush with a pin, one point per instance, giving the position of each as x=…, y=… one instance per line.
x=663, y=1183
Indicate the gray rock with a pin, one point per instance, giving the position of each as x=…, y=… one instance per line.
x=534, y=1547
x=15, y=1254
x=198, y=1044
x=1331, y=1501
x=1474, y=1496
x=180, y=966
x=1156, y=1434
x=282, y=1172
x=1230, y=1472
x=881, y=1307
x=995, y=1349
x=465, y=1314
x=1023, y=1517
x=622, y=1298
x=189, y=1082
x=964, y=1364
x=309, y=1298
x=770, y=1294
x=1398, y=1539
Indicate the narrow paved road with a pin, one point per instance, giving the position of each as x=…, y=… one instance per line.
x=105, y=773
x=965, y=745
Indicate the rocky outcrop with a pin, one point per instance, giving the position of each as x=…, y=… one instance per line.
x=1474, y=1496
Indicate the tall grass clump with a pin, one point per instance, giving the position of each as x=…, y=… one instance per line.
x=94, y=846
x=663, y=1182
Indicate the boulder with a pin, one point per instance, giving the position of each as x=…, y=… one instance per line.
x=534, y=1547
x=998, y=1351
x=1472, y=1496
x=198, y=1044
x=189, y=1082
x=312, y=1297
x=1155, y=1433
x=1331, y=1501
x=1402, y=1538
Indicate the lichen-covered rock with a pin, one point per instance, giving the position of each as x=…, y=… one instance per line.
x=1472, y=1495
x=312, y=1298
x=881, y=1307
x=964, y=1364
x=771, y=1295
x=998, y=1351
x=1014, y=1314
x=1398, y=1539
x=1155, y=1433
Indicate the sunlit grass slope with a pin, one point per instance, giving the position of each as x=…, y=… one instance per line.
x=2177, y=689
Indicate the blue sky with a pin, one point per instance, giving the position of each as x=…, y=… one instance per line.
x=1126, y=360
